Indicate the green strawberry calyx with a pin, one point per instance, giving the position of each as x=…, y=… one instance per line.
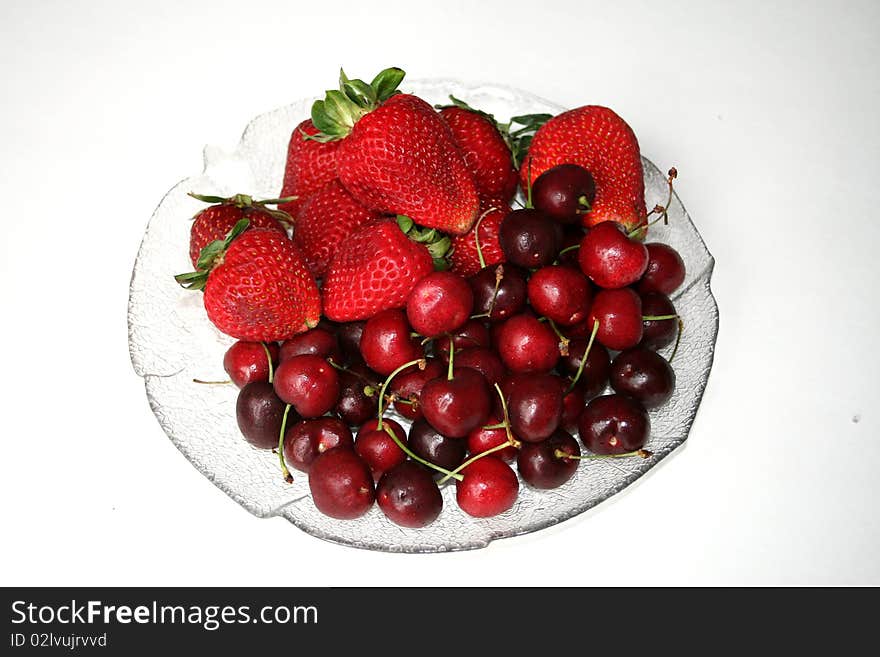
x=211, y=256
x=439, y=245
x=243, y=201
x=335, y=115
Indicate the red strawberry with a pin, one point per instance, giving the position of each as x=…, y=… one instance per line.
x=256, y=285
x=326, y=218
x=213, y=223
x=485, y=152
x=310, y=165
x=465, y=257
x=374, y=269
x=597, y=139
x=396, y=155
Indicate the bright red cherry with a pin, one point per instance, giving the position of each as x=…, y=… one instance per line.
x=387, y=342
x=456, y=406
x=245, y=362
x=440, y=302
x=611, y=258
x=528, y=345
x=619, y=313
x=377, y=448
x=308, y=383
x=561, y=294
x=488, y=487
x=481, y=439
x=408, y=387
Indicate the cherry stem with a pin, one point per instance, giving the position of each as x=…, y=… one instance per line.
x=477, y=457
x=451, y=358
x=662, y=210
x=415, y=457
x=284, y=471
x=500, y=425
x=580, y=371
x=421, y=362
x=657, y=318
x=269, y=359
x=477, y=237
x=563, y=341
x=560, y=454
x=510, y=439
x=212, y=383
x=677, y=339
x=529, y=185
x=569, y=248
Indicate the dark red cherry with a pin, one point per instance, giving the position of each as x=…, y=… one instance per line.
x=408, y=496
x=528, y=345
x=500, y=291
x=614, y=424
x=472, y=334
x=408, y=387
x=643, y=374
x=349, y=337
x=657, y=333
x=565, y=192
x=573, y=402
x=529, y=238
x=456, y=406
x=304, y=441
x=377, y=448
x=484, y=360
x=610, y=258
x=308, y=383
x=387, y=342
x=665, y=271
x=481, y=439
x=488, y=487
x=560, y=293
x=541, y=465
x=440, y=302
x=317, y=341
x=535, y=406
x=341, y=484
x=357, y=404
x=594, y=377
x=619, y=313
x=259, y=413
x=434, y=447
x=246, y=362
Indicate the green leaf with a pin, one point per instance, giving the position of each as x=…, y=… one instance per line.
x=321, y=120
x=207, y=199
x=359, y=92
x=386, y=82
x=457, y=102
x=194, y=280
x=535, y=120
x=339, y=108
x=405, y=223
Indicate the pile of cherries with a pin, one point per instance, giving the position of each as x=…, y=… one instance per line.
x=502, y=367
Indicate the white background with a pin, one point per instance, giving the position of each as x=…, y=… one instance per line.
x=770, y=112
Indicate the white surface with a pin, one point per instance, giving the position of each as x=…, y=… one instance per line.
x=770, y=116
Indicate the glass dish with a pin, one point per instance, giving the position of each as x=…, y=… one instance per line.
x=172, y=342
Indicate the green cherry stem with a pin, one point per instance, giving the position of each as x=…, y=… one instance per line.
x=477, y=457
x=580, y=371
x=563, y=341
x=415, y=457
x=449, y=370
x=269, y=358
x=212, y=383
x=677, y=339
x=421, y=362
x=560, y=454
x=569, y=248
x=477, y=238
x=657, y=318
x=284, y=471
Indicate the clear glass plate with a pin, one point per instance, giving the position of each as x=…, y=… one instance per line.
x=172, y=342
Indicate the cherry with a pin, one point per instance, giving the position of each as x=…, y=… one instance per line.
x=472, y=334
x=657, y=333
x=528, y=345
x=500, y=291
x=568, y=248
x=245, y=362
x=594, y=377
x=484, y=360
x=488, y=487
x=379, y=450
x=341, y=484
x=482, y=439
x=561, y=294
x=408, y=387
x=317, y=341
x=387, y=342
x=439, y=303
x=433, y=446
x=573, y=402
x=259, y=413
x=355, y=406
x=644, y=375
x=614, y=424
x=349, y=336
x=619, y=313
x=610, y=257
x=544, y=465
x=456, y=404
x=535, y=406
x=308, y=383
x=408, y=496
x=529, y=238
x=305, y=440
x=565, y=192
x=665, y=271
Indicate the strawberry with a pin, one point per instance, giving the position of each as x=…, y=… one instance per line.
x=310, y=165
x=256, y=285
x=396, y=155
x=214, y=222
x=597, y=139
x=465, y=256
x=326, y=218
x=486, y=154
x=375, y=269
